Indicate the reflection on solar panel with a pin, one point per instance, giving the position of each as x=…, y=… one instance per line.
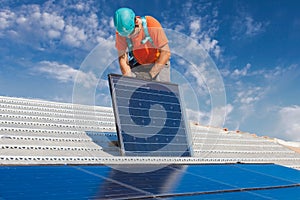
x=149, y=117
x=234, y=181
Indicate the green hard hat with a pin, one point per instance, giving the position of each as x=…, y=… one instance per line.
x=124, y=21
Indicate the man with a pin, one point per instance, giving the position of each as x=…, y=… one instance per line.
x=145, y=40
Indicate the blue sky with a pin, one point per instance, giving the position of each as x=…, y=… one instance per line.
x=254, y=45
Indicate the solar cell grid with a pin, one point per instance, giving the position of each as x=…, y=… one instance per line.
x=232, y=181
x=149, y=117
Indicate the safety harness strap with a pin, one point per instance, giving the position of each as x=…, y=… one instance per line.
x=147, y=38
x=147, y=35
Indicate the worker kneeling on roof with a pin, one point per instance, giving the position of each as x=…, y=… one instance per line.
x=148, y=55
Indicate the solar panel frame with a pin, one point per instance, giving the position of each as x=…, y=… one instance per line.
x=134, y=97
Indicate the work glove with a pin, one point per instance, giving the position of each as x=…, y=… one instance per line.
x=143, y=75
x=131, y=74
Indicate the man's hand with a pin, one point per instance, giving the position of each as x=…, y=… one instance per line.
x=162, y=60
x=123, y=61
x=143, y=75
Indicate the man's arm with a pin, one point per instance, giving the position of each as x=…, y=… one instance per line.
x=163, y=58
x=124, y=64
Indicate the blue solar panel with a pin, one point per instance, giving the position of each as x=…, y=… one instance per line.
x=232, y=181
x=149, y=117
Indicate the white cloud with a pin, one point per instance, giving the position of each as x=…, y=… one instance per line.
x=219, y=115
x=197, y=116
x=216, y=117
x=74, y=36
x=65, y=73
x=179, y=27
x=252, y=93
x=6, y=18
x=253, y=27
x=225, y=72
x=88, y=80
x=48, y=24
x=80, y=6
x=278, y=72
x=210, y=45
x=21, y=20
x=103, y=99
x=195, y=27
x=200, y=79
x=242, y=72
x=199, y=25
x=245, y=25
x=268, y=74
x=54, y=34
x=61, y=72
x=249, y=95
x=246, y=103
x=205, y=36
x=289, y=123
x=51, y=20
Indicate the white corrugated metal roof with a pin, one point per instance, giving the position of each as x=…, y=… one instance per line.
x=44, y=132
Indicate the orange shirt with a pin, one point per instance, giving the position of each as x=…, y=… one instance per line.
x=145, y=53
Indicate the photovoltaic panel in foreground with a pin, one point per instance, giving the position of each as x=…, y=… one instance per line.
x=149, y=117
x=178, y=182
